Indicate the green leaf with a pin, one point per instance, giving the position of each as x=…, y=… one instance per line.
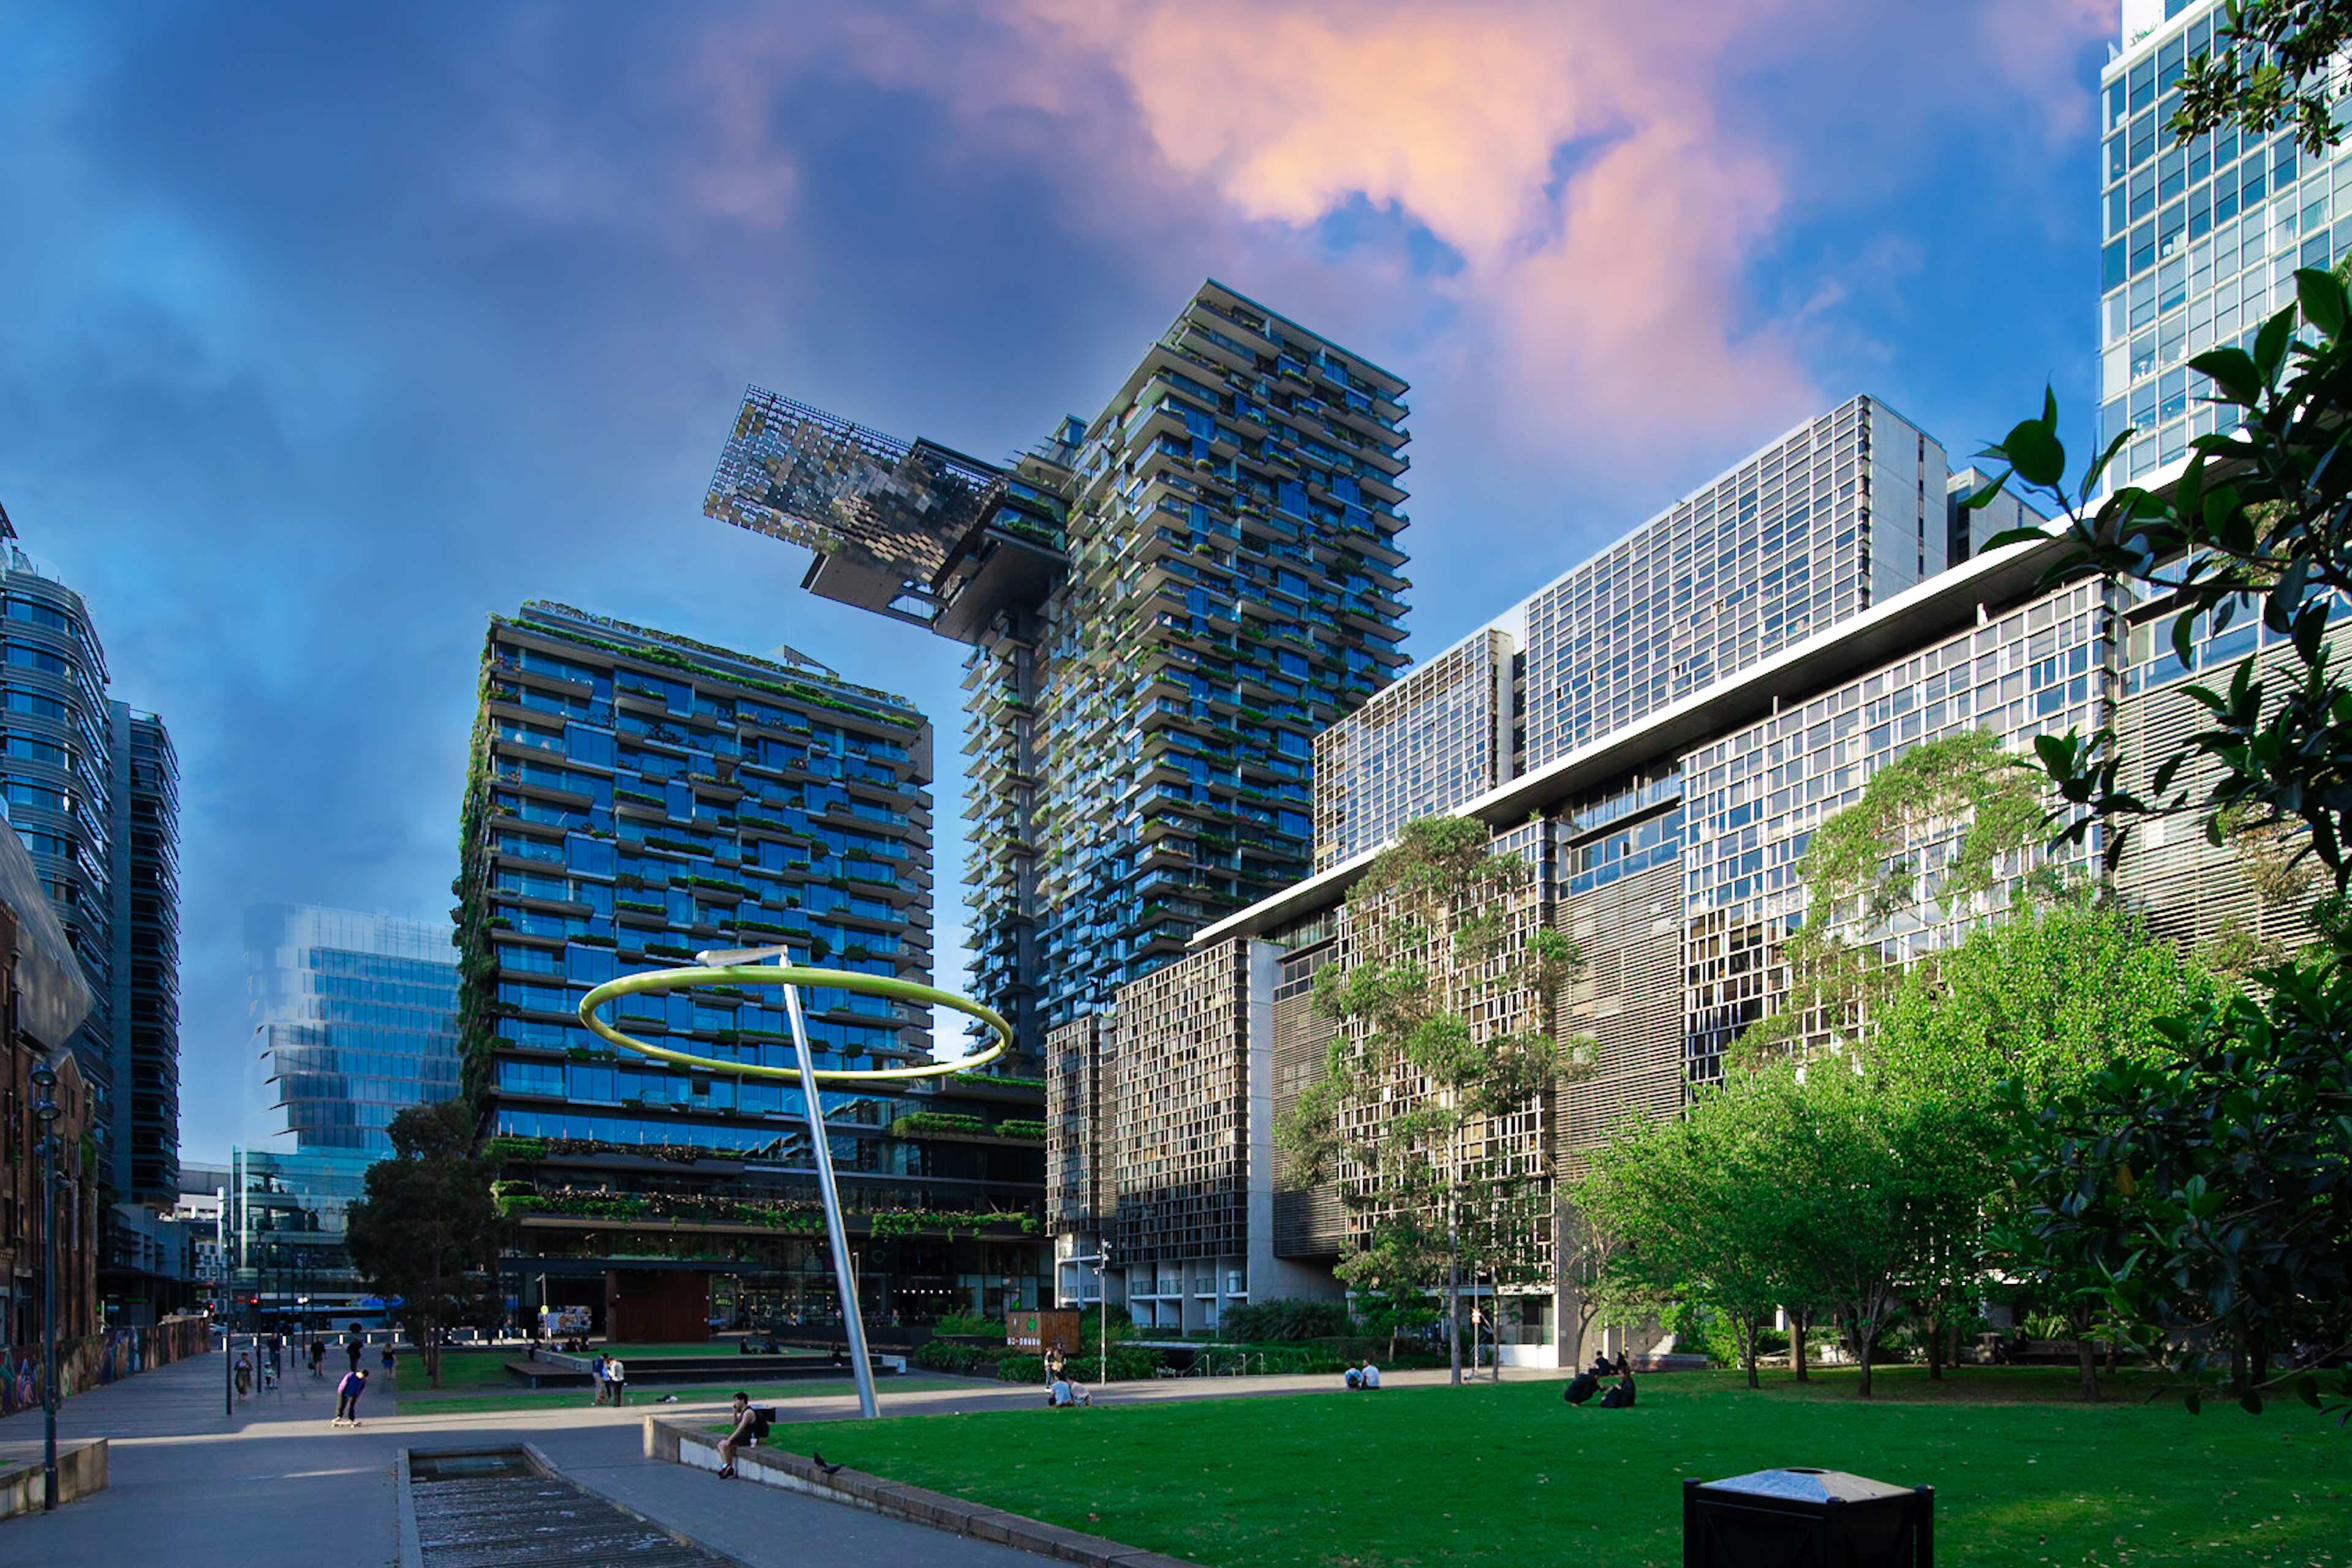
x=2270, y=344
x=2032, y=450
x=2322, y=299
x=2232, y=371
x=1979, y=499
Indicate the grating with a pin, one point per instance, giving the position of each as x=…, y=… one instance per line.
x=498, y=1510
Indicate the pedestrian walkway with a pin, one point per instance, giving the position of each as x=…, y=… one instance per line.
x=275, y=1486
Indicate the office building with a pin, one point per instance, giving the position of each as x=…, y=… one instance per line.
x=1444, y=733
x=145, y=844
x=92, y=788
x=57, y=776
x=2201, y=243
x=638, y=797
x=357, y=1016
x=1164, y=606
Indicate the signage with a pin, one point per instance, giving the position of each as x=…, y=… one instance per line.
x=1037, y=1333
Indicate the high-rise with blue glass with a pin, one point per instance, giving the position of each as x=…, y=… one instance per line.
x=1164, y=603
x=2201, y=242
x=358, y=1018
x=91, y=786
x=636, y=797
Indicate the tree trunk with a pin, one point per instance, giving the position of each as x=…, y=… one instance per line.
x=1866, y=1339
x=1934, y=1349
x=1751, y=1328
x=1797, y=1323
x=2086, y=1353
x=1453, y=1306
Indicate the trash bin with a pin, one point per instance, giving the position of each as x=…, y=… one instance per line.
x=1807, y=1519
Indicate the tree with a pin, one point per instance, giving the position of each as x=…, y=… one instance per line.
x=1393, y=1278
x=1959, y=797
x=1694, y=1210
x=1445, y=1007
x=2024, y=1011
x=2271, y=68
x=426, y=1233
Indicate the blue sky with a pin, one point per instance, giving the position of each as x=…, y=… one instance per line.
x=325, y=332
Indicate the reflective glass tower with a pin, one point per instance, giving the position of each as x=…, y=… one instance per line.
x=146, y=965
x=358, y=1016
x=2201, y=242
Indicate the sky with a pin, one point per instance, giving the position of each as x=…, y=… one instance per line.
x=327, y=331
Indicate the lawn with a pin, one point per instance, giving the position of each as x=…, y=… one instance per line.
x=716, y=1392
x=1510, y=1476
x=459, y=1369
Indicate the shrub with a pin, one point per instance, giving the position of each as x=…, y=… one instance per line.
x=1287, y=1318
x=967, y=1325
x=942, y=1355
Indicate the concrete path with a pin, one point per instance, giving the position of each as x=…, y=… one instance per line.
x=275, y=1486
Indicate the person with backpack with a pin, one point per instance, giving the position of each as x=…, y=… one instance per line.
x=596, y=1378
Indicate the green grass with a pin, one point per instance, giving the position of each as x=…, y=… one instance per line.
x=649, y=1399
x=1510, y=1477
x=459, y=1369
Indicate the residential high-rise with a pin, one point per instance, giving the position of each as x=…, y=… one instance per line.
x=637, y=797
x=145, y=841
x=2201, y=242
x=357, y=1016
x=1164, y=606
x=92, y=788
x=58, y=777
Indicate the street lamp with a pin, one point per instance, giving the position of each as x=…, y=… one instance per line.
x=1101, y=1260
x=46, y=1110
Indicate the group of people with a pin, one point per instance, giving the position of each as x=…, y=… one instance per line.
x=1362, y=1374
x=1586, y=1383
x=1063, y=1391
x=611, y=1379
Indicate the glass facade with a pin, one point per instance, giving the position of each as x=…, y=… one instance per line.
x=358, y=1016
x=288, y=1261
x=1441, y=735
x=146, y=964
x=2201, y=243
x=1753, y=798
x=637, y=798
x=1841, y=514
x=57, y=778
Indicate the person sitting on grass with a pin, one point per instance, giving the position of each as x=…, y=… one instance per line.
x=1355, y=1375
x=745, y=1433
x=1620, y=1392
x=1065, y=1394
x=1371, y=1375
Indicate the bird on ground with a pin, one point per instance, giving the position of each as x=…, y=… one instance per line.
x=818, y=1459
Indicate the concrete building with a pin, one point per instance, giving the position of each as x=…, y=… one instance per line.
x=636, y=797
x=1164, y=605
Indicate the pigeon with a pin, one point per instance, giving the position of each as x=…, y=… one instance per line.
x=818, y=1459
x=667, y=1399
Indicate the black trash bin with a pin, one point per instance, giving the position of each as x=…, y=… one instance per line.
x=1807, y=1519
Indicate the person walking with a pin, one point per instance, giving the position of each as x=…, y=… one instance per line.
x=319, y=1359
x=352, y=1347
x=616, y=1379
x=596, y=1378
x=347, y=1397
x=244, y=1375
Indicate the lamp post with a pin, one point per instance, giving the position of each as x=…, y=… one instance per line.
x=46, y=1110
x=1101, y=1260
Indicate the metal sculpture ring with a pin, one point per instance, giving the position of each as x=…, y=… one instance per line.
x=659, y=981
